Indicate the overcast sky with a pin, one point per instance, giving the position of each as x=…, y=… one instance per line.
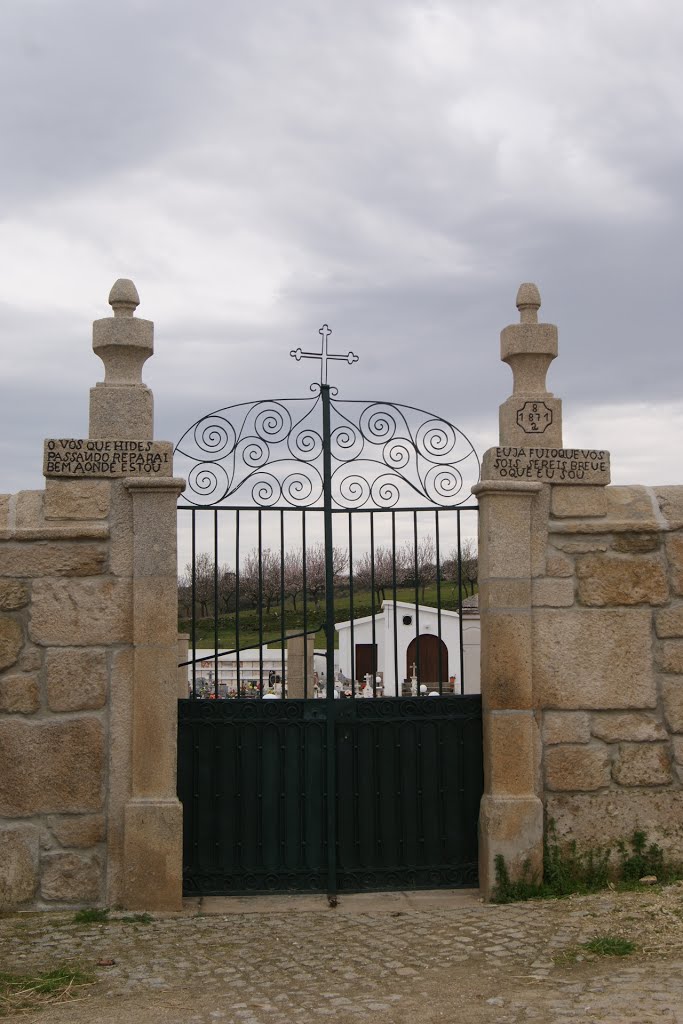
x=392, y=168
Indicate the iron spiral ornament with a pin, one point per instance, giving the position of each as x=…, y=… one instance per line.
x=269, y=453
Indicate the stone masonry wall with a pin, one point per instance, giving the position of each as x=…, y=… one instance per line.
x=607, y=648
x=89, y=652
x=65, y=629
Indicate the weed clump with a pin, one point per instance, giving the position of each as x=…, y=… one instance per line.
x=136, y=919
x=20, y=993
x=644, y=859
x=524, y=888
x=92, y=915
x=568, y=870
x=609, y=945
x=100, y=915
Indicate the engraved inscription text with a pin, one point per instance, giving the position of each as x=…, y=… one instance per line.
x=81, y=457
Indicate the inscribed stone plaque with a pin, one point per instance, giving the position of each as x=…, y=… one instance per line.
x=549, y=465
x=534, y=417
x=83, y=457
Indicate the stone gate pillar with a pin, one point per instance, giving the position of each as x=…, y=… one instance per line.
x=119, y=457
x=121, y=407
x=571, y=572
x=514, y=506
x=153, y=821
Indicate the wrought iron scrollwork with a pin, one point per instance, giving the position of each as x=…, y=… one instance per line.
x=270, y=453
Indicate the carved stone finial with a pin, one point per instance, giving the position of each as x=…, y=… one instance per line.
x=532, y=415
x=528, y=303
x=121, y=406
x=123, y=297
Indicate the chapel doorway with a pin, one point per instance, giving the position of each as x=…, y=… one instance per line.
x=427, y=659
x=366, y=661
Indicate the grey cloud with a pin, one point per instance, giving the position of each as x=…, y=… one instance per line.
x=408, y=220
x=91, y=89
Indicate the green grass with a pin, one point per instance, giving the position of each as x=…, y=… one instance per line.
x=92, y=915
x=20, y=993
x=599, y=945
x=100, y=915
x=294, y=618
x=610, y=945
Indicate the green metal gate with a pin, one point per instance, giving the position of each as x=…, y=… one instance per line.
x=378, y=791
x=257, y=801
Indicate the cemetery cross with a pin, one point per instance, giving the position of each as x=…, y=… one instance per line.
x=324, y=356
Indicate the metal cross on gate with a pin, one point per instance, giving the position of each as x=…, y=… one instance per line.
x=324, y=356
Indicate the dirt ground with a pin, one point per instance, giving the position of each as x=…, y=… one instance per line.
x=399, y=958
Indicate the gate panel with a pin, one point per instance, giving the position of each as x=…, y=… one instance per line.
x=417, y=757
x=252, y=782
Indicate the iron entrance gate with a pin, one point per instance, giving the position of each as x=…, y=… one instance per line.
x=253, y=779
x=377, y=784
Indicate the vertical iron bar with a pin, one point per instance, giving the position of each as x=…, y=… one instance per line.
x=196, y=824
x=419, y=781
x=462, y=655
x=329, y=640
x=282, y=801
x=302, y=860
x=442, y=813
x=353, y=648
x=438, y=602
x=356, y=784
x=259, y=794
x=194, y=606
x=376, y=774
x=239, y=807
x=393, y=580
x=215, y=603
x=461, y=766
x=215, y=759
x=399, y=802
x=237, y=599
x=373, y=661
x=417, y=606
x=304, y=598
x=260, y=603
x=282, y=600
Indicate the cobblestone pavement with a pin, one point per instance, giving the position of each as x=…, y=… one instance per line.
x=444, y=957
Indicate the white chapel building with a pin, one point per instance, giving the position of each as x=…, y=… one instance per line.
x=402, y=652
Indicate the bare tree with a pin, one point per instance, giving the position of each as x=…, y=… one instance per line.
x=315, y=569
x=420, y=565
x=227, y=587
x=211, y=589
x=260, y=577
x=294, y=575
x=449, y=569
x=271, y=573
x=377, y=569
x=464, y=567
x=470, y=563
x=202, y=578
x=184, y=595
